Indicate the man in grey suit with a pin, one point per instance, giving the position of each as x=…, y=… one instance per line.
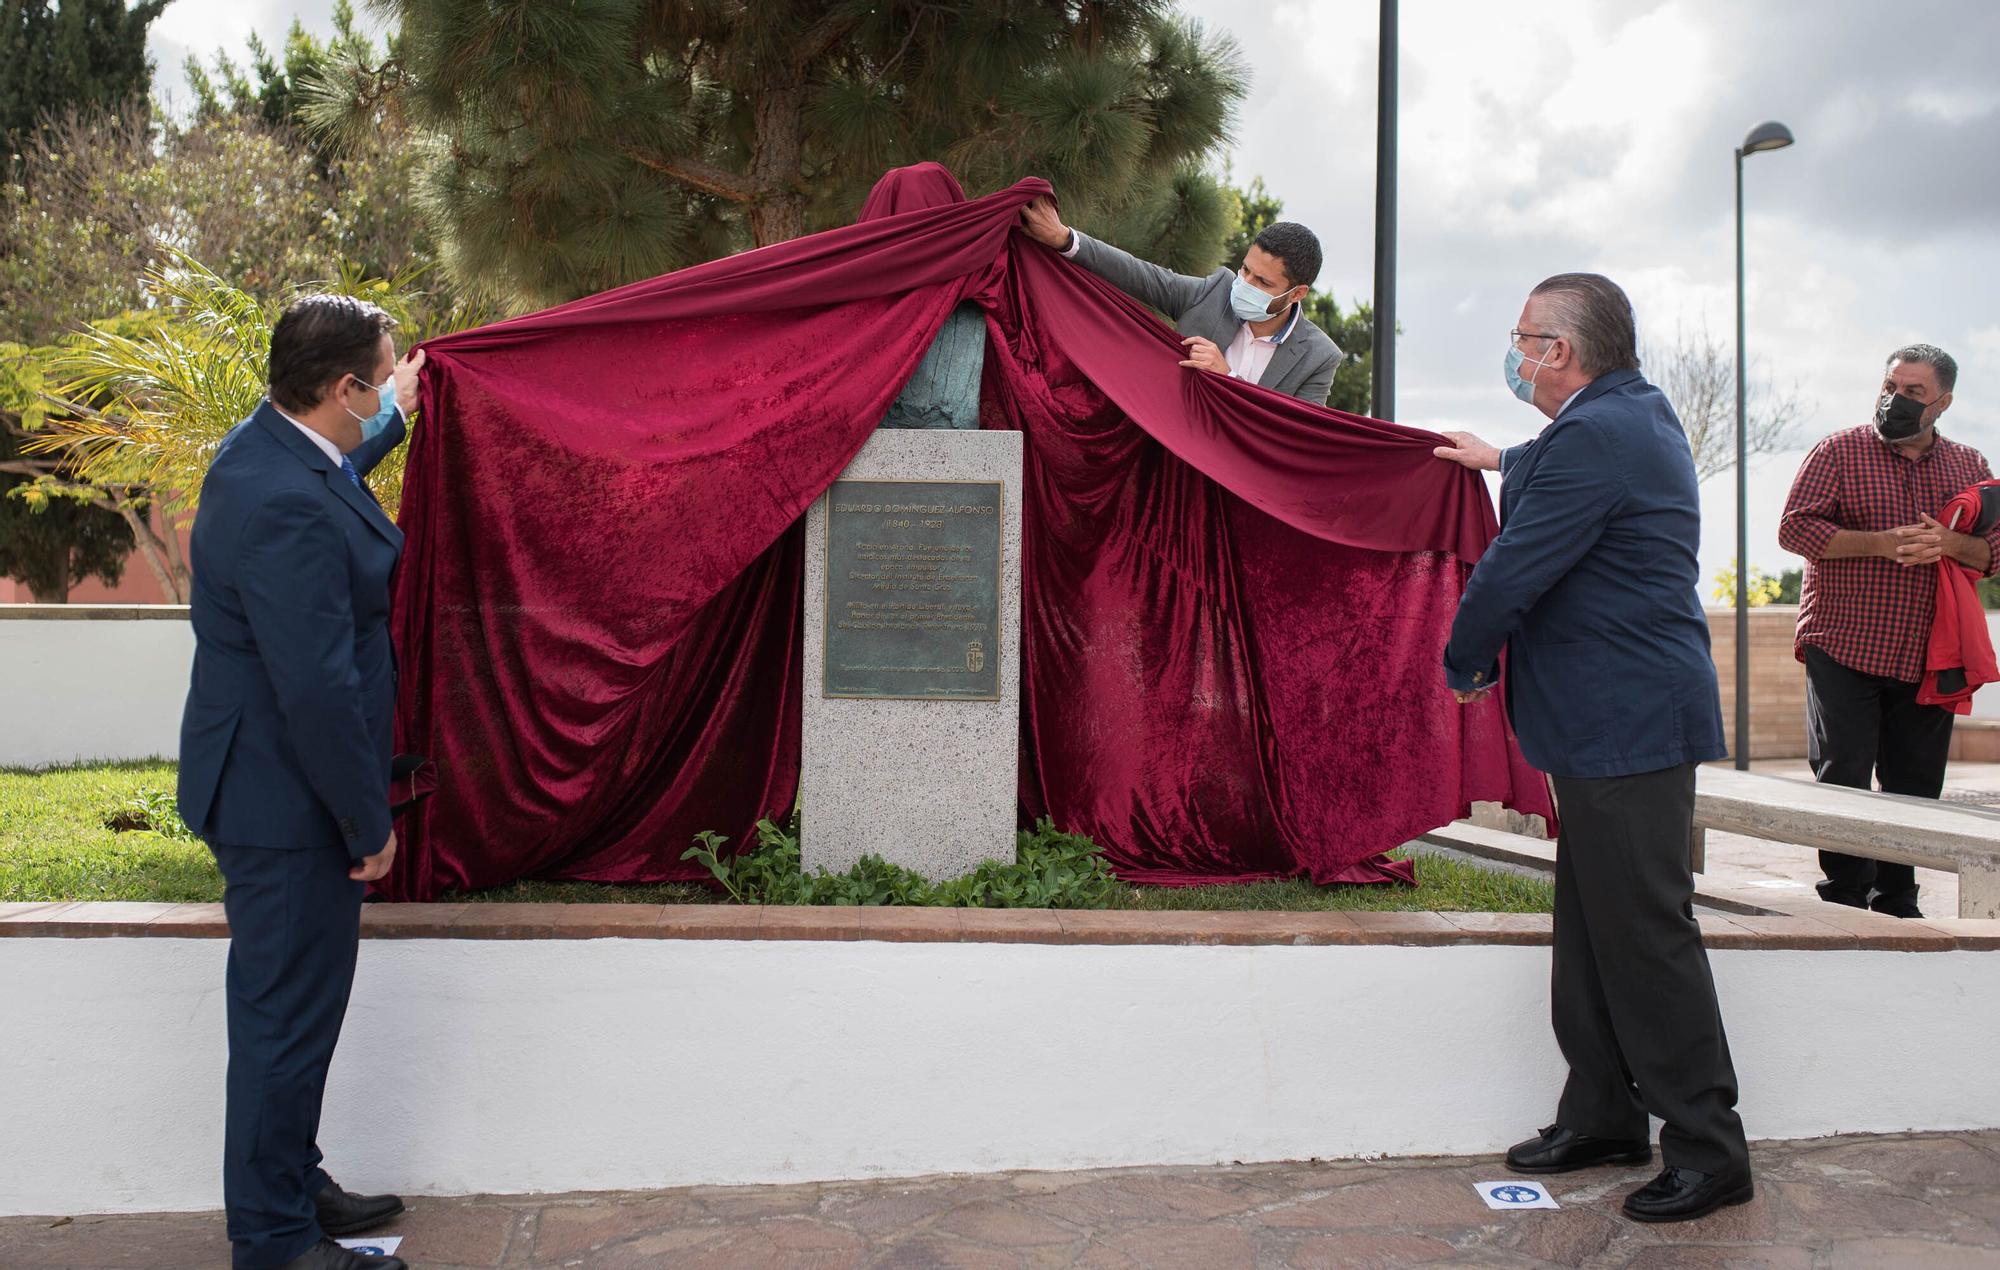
x=1247, y=323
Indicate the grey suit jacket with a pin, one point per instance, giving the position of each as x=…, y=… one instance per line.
x=1302, y=366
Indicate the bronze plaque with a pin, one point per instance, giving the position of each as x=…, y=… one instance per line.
x=913, y=590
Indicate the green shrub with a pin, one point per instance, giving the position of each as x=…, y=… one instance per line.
x=151, y=810
x=1051, y=869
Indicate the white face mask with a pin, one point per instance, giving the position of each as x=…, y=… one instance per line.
x=1522, y=388
x=376, y=424
x=1251, y=304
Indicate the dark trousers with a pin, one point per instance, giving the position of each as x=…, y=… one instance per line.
x=1633, y=1000
x=294, y=932
x=1861, y=728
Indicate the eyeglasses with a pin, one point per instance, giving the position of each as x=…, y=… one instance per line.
x=1517, y=333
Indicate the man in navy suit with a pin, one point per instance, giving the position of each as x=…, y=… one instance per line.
x=285, y=752
x=1591, y=587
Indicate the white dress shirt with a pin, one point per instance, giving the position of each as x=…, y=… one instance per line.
x=326, y=447
x=1249, y=354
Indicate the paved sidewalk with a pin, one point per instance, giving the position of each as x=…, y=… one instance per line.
x=1917, y=1200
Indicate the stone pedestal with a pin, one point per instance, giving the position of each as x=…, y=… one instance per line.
x=911, y=728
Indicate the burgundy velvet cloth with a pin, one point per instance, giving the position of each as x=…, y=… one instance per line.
x=1235, y=608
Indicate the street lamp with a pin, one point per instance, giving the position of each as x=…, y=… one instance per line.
x=1382, y=396
x=1765, y=136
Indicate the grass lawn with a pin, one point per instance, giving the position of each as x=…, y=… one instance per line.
x=54, y=845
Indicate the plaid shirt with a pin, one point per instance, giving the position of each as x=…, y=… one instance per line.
x=1867, y=613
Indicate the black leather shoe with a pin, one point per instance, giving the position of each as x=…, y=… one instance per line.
x=1895, y=906
x=341, y=1213
x=1679, y=1194
x=328, y=1255
x=1559, y=1150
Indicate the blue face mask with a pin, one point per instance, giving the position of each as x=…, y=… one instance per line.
x=376, y=424
x=1522, y=388
x=1249, y=303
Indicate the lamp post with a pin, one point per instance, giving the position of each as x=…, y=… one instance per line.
x=1382, y=401
x=1765, y=136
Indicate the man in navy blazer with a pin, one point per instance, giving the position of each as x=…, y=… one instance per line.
x=285, y=753
x=1591, y=588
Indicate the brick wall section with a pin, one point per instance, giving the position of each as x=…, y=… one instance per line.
x=1778, y=690
x=1777, y=680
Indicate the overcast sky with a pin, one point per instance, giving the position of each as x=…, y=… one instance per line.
x=1598, y=135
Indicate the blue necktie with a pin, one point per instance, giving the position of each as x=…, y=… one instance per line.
x=347, y=466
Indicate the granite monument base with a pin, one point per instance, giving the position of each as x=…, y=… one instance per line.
x=911, y=727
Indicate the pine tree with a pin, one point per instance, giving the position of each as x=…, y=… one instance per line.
x=582, y=145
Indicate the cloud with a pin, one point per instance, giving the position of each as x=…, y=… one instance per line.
x=1892, y=167
x=1599, y=134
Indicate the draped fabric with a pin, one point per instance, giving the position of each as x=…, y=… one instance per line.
x=1235, y=603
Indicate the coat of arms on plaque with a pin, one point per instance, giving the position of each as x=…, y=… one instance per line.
x=975, y=657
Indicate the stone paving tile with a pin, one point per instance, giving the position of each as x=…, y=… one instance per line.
x=1845, y=1210
x=1981, y=1206
x=1726, y=1257
x=1947, y=1162
x=569, y=1230
x=1909, y=1254
x=803, y=1242
x=1442, y=1200
x=1912, y=1200
x=1565, y=1238
x=738, y=1203
x=1369, y=1252
x=673, y=1247
x=466, y=1232
x=931, y=1251
x=1156, y=1197
x=1201, y=1244
x=113, y=1243
x=898, y=1207
x=1003, y=1224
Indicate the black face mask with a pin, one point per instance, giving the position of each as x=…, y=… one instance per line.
x=1898, y=418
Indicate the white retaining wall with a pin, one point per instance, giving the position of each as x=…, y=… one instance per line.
x=73, y=689
x=540, y=1066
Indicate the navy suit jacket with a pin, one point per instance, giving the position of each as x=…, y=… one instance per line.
x=286, y=738
x=1592, y=589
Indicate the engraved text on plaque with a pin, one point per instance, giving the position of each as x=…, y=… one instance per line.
x=913, y=590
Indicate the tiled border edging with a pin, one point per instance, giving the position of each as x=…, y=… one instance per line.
x=1835, y=928
x=93, y=612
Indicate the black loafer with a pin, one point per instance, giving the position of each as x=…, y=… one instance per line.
x=1679, y=1194
x=341, y=1213
x=1559, y=1150
x=328, y=1255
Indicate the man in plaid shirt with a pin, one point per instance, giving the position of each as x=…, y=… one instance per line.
x=1863, y=513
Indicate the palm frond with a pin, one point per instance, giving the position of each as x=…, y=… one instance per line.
x=145, y=399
